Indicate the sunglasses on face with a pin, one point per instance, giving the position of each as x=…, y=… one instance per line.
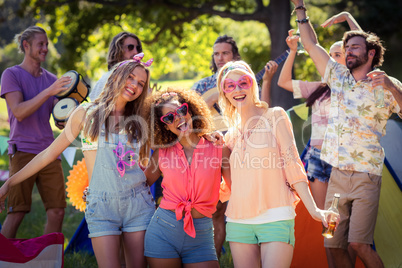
x=244, y=82
x=170, y=116
x=130, y=47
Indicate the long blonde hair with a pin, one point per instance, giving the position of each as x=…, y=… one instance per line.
x=228, y=109
x=105, y=104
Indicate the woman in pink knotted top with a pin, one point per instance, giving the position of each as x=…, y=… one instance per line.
x=181, y=230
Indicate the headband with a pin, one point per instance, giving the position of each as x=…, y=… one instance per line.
x=137, y=58
x=165, y=95
x=233, y=67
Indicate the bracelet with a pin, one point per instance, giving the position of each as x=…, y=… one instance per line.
x=299, y=7
x=305, y=20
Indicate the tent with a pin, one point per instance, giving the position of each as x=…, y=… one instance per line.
x=309, y=248
x=43, y=251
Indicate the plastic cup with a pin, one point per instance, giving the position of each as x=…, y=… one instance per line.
x=379, y=96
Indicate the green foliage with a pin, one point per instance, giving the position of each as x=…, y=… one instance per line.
x=179, y=34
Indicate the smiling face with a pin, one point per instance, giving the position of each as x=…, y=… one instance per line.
x=37, y=49
x=134, y=84
x=182, y=124
x=241, y=86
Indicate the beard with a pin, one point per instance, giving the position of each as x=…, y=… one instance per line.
x=359, y=61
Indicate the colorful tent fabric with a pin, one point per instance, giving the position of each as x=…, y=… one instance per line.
x=80, y=240
x=44, y=251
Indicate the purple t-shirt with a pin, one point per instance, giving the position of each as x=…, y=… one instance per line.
x=33, y=134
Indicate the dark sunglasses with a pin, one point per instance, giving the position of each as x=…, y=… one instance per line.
x=130, y=47
x=170, y=116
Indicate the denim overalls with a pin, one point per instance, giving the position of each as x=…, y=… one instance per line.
x=118, y=198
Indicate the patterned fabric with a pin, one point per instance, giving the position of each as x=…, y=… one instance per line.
x=320, y=109
x=205, y=84
x=355, y=125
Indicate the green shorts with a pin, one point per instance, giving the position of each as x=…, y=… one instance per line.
x=278, y=231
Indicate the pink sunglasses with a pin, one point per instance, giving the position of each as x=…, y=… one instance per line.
x=244, y=82
x=170, y=116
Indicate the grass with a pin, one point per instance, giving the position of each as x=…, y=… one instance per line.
x=163, y=85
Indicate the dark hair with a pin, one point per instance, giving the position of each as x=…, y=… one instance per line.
x=235, y=50
x=28, y=34
x=372, y=42
x=116, y=49
x=152, y=112
x=322, y=90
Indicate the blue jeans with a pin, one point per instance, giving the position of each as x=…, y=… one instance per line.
x=165, y=238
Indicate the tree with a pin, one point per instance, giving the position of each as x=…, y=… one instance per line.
x=73, y=24
x=184, y=30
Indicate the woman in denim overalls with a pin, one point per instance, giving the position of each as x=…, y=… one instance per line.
x=118, y=199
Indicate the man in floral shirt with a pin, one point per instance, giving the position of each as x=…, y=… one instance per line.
x=352, y=139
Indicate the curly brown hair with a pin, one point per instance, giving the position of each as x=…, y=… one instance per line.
x=152, y=112
x=372, y=42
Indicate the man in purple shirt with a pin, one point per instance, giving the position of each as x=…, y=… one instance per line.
x=29, y=91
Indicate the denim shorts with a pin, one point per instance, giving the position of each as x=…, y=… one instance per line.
x=316, y=168
x=113, y=213
x=165, y=238
x=277, y=231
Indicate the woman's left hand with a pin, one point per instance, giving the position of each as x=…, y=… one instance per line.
x=324, y=215
x=216, y=138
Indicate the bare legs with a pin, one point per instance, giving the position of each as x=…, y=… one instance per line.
x=54, y=222
x=176, y=263
x=218, y=219
x=11, y=224
x=107, y=250
x=272, y=254
x=369, y=257
x=13, y=221
x=134, y=249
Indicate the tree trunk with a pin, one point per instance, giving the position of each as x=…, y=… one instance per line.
x=278, y=26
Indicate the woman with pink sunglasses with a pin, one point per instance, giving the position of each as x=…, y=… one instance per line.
x=267, y=176
x=180, y=233
x=118, y=198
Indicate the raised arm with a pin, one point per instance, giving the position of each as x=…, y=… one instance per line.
x=341, y=17
x=73, y=128
x=270, y=70
x=285, y=78
x=22, y=109
x=317, y=53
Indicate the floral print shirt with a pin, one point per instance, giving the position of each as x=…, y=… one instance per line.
x=355, y=125
x=205, y=84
